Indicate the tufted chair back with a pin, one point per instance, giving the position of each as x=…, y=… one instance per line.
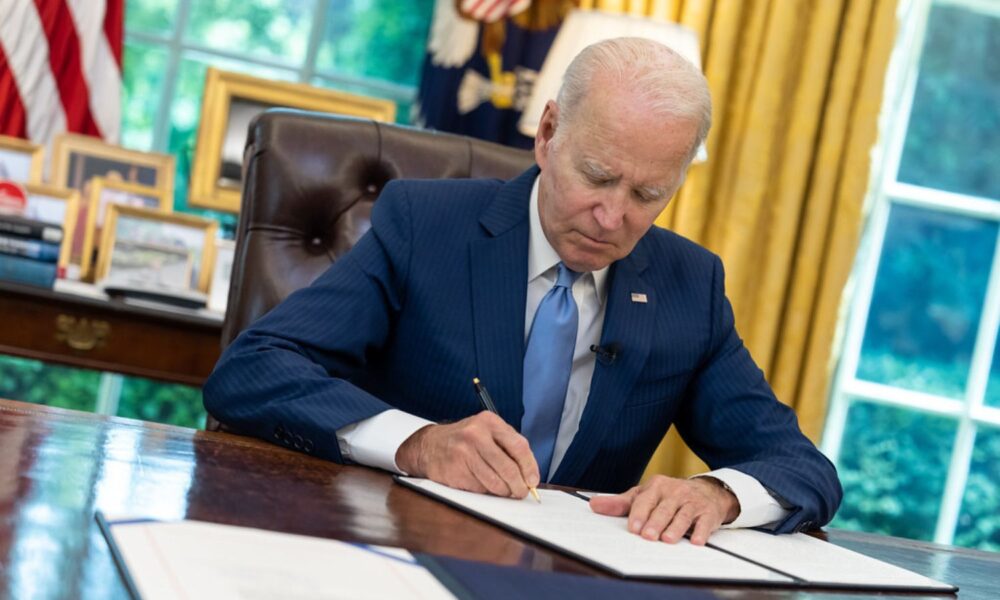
x=310, y=181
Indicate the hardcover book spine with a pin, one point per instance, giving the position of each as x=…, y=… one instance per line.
x=26, y=228
x=36, y=249
x=27, y=271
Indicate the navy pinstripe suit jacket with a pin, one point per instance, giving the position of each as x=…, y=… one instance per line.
x=434, y=294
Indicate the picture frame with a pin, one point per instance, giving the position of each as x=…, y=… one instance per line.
x=56, y=205
x=103, y=192
x=230, y=102
x=21, y=160
x=143, y=247
x=76, y=159
x=224, y=251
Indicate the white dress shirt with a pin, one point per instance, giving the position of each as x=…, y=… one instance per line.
x=374, y=441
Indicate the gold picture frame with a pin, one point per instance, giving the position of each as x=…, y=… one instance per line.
x=23, y=157
x=230, y=102
x=158, y=232
x=44, y=205
x=102, y=193
x=78, y=158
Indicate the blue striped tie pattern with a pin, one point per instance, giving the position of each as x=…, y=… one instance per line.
x=548, y=361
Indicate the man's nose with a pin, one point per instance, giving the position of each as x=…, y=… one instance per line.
x=610, y=210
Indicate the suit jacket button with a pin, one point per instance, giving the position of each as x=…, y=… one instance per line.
x=298, y=442
x=279, y=431
x=308, y=445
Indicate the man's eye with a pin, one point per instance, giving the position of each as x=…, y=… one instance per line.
x=598, y=180
x=645, y=198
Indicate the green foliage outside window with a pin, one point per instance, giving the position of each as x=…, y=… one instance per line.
x=39, y=383
x=893, y=465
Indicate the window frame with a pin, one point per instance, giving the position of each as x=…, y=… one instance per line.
x=886, y=191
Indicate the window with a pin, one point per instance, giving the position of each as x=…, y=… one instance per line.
x=914, y=423
x=369, y=47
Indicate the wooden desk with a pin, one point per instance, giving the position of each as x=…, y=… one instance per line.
x=107, y=335
x=57, y=467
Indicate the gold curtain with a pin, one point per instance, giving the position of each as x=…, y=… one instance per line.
x=797, y=87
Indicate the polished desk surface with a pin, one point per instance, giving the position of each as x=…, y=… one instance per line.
x=57, y=467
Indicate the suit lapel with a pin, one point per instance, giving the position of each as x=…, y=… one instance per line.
x=629, y=324
x=499, y=275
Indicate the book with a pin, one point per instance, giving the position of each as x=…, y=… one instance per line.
x=564, y=521
x=29, y=248
x=28, y=271
x=13, y=225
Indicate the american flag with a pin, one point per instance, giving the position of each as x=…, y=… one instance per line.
x=60, y=68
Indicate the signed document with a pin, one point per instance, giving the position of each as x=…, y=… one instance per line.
x=564, y=521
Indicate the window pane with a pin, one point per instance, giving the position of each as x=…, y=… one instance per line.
x=143, y=77
x=893, y=464
x=161, y=402
x=151, y=16
x=993, y=385
x=382, y=40
x=979, y=521
x=951, y=143
x=269, y=29
x=41, y=383
x=927, y=301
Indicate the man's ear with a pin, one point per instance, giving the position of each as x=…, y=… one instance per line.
x=546, y=131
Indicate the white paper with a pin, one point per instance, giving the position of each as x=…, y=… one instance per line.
x=817, y=561
x=567, y=522
x=189, y=559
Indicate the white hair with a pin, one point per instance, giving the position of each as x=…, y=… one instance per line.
x=666, y=82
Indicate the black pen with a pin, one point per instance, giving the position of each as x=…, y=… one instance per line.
x=487, y=401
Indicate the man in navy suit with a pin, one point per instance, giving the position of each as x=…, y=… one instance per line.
x=458, y=279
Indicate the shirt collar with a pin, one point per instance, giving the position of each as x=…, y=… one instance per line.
x=542, y=256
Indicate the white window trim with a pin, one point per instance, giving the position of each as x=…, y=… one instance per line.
x=968, y=412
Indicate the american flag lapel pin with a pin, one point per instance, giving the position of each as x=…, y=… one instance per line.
x=639, y=298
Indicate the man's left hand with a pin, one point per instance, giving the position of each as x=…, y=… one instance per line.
x=666, y=508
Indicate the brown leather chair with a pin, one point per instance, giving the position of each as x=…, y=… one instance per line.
x=310, y=181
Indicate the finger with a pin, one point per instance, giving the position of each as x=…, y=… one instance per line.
x=505, y=467
x=642, y=506
x=704, y=526
x=659, y=518
x=614, y=505
x=679, y=525
x=518, y=449
x=486, y=475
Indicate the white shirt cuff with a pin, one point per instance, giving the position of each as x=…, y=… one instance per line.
x=374, y=441
x=757, y=507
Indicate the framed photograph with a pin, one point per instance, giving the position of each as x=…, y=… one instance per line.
x=58, y=206
x=103, y=192
x=76, y=159
x=230, y=102
x=20, y=160
x=222, y=270
x=145, y=248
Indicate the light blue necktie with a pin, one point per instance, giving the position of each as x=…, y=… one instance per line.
x=548, y=361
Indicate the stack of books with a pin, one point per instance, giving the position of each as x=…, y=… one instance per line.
x=29, y=251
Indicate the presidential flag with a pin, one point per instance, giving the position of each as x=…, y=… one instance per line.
x=61, y=68
x=482, y=60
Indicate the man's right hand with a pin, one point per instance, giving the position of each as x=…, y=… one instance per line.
x=481, y=453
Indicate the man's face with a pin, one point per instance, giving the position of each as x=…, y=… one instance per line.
x=607, y=176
